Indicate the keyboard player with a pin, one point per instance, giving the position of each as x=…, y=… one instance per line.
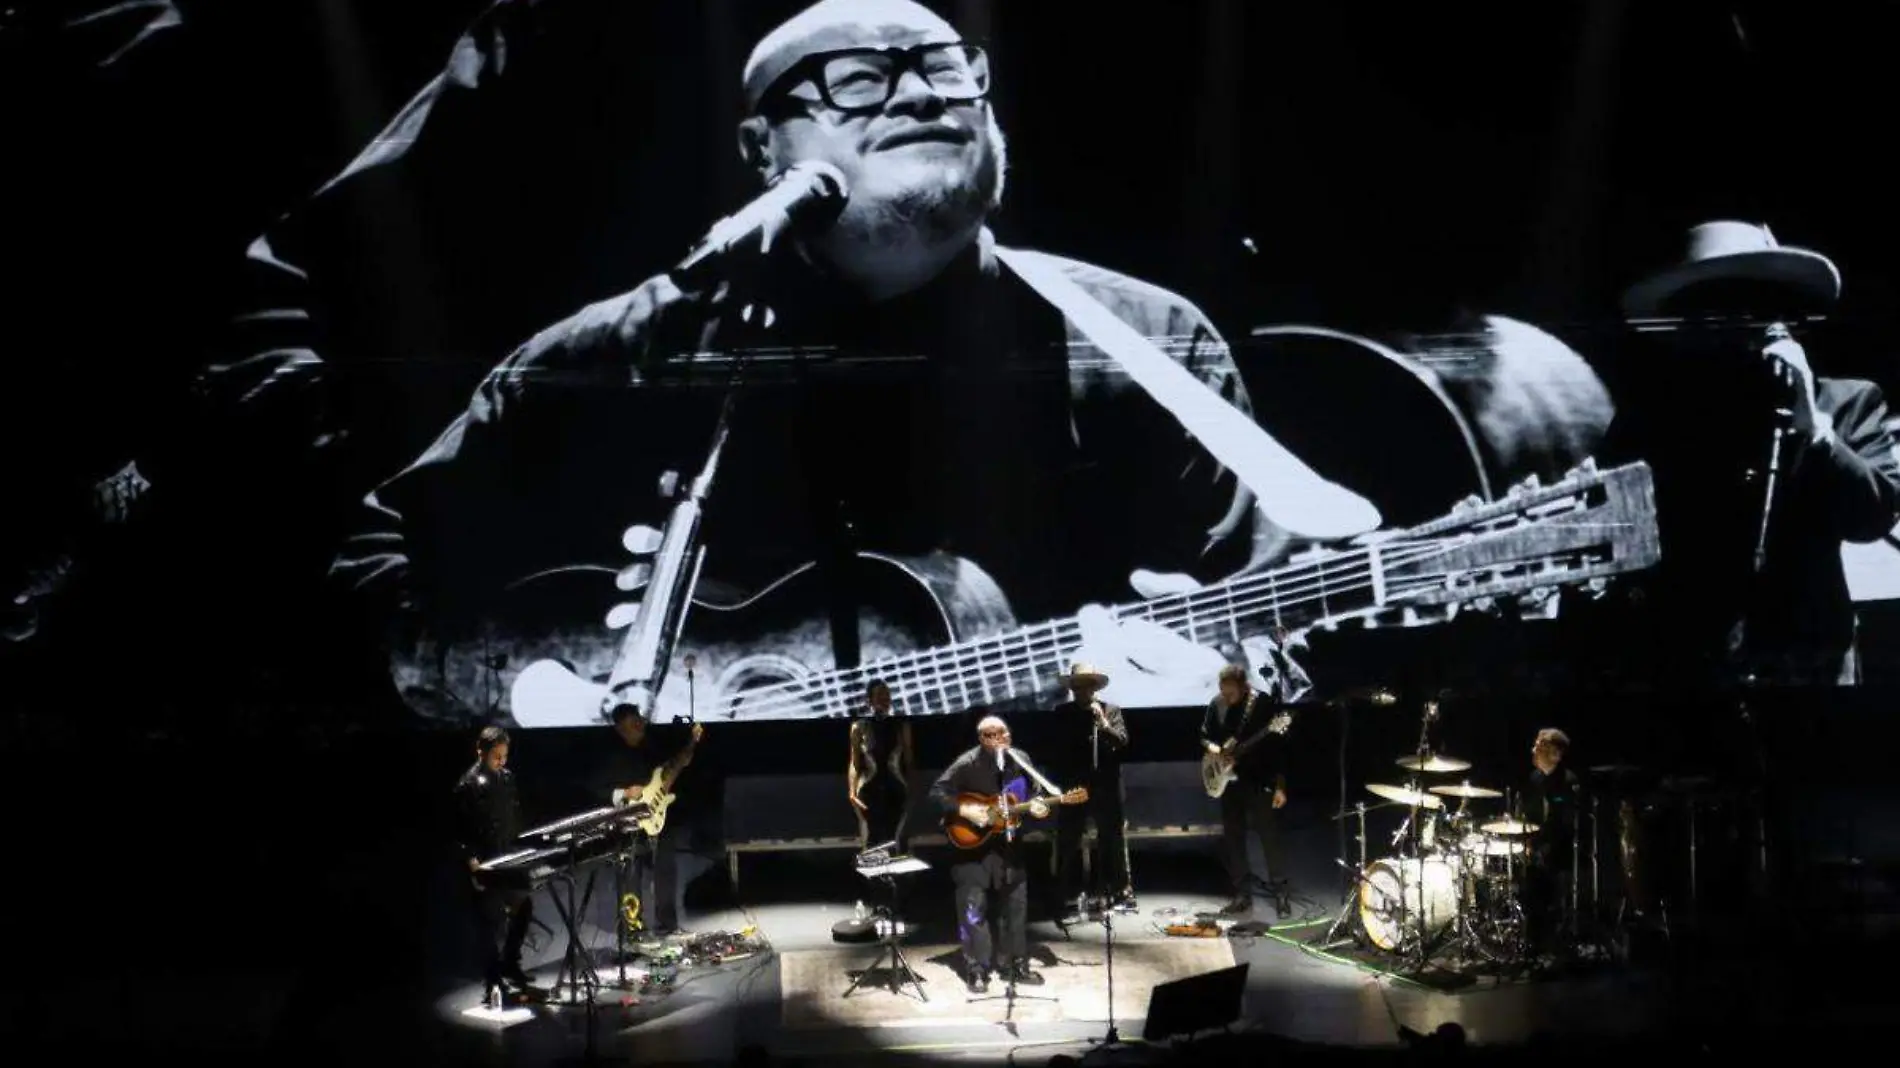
x=489, y=823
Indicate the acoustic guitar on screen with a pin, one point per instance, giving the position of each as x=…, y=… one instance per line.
x=1006, y=813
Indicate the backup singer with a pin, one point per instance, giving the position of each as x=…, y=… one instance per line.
x=1092, y=736
x=992, y=885
x=1256, y=795
x=488, y=822
x=653, y=866
x=1551, y=801
x=877, y=776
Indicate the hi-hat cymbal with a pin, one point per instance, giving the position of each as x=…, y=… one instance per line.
x=1433, y=764
x=1508, y=827
x=1466, y=790
x=1404, y=795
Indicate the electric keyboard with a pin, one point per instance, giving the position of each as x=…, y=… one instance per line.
x=619, y=817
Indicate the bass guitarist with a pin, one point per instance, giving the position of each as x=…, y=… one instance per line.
x=1258, y=791
x=991, y=881
x=654, y=865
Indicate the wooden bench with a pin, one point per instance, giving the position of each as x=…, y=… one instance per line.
x=936, y=840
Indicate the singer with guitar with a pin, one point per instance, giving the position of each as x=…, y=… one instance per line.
x=1242, y=736
x=1091, y=737
x=992, y=884
x=636, y=773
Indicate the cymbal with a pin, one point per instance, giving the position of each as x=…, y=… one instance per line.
x=1434, y=764
x=1614, y=769
x=1405, y=796
x=1508, y=827
x=1466, y=790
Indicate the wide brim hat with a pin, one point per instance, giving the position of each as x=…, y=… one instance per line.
x=1728, y=251
x=1083, y=672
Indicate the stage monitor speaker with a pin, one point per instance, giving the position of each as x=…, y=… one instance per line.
x=1197, y=1003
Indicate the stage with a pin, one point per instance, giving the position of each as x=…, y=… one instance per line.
x=791, y=1001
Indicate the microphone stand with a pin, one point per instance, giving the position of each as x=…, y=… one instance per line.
x=1784, y=427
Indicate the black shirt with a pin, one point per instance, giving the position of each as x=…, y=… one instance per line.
x=1079, y=755
x=488, y=813
x=1551, y=801
x=976, y=772
x=1263, y=765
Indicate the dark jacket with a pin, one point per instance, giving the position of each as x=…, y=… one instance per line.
x=1263, y=766
x=487, y=813
x=1080, y=755
x=976, y=773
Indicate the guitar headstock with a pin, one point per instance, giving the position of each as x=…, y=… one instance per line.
x=1077, y=796
x=1579, y=531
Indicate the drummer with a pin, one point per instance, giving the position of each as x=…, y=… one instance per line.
x=1551, y=798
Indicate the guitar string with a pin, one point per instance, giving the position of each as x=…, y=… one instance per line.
x=979, y=654
x=1024, y=648
x=1035, y=650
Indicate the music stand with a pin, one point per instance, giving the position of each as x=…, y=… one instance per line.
x=877, y=865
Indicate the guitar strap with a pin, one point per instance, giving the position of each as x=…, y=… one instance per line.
x=1289, y=492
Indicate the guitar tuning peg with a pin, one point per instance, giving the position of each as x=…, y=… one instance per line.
x=1470, y=503
x=621, y=616
x=634, y=576
x=669, y=485
x=641, y=540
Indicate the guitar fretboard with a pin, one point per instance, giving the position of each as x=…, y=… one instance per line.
x=1581, y=529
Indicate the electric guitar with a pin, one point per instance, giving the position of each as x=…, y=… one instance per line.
x=942, y=632
x=1217, y=769
x=657, y=795
x=1006, y=812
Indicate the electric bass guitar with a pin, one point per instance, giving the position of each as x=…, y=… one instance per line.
x=1217, y=769
x=1006, y=812
x=658, y=794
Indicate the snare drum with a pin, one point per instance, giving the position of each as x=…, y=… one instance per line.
x=1393, y=892
x=1486, y=854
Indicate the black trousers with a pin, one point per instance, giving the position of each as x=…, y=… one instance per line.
x=652, y=872
x=886, y=806
x=504, y=907
x=1546, y=901
x=1242, y=805
x=992, y=893
x=1104, y=807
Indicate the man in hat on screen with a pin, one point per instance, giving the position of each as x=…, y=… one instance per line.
x=1779, y=467
x=1091, y=738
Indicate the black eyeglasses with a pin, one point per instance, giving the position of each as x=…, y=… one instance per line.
x=860, y=80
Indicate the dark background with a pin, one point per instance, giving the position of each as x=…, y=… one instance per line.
x=208, y=737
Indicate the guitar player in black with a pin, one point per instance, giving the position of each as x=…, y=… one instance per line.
x=653, y=867
x=1091, y=738
x=1257, y=793
x=992, y=885
x=488, y=823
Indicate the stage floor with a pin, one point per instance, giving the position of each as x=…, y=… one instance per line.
x=790, y=1000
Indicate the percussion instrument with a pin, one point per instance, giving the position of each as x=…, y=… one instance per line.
x=1398, y=893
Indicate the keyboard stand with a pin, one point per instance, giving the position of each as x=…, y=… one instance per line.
x=577, y=969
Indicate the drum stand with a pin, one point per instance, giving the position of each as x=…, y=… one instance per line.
x=1355, y=881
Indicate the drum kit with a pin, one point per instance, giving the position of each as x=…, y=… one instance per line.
x=1454, y=877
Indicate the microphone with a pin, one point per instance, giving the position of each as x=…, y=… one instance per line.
x=808, y=195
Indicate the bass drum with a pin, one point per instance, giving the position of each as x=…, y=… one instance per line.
x=1395, y=890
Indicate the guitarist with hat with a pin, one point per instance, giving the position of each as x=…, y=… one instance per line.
x=1241, y=735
